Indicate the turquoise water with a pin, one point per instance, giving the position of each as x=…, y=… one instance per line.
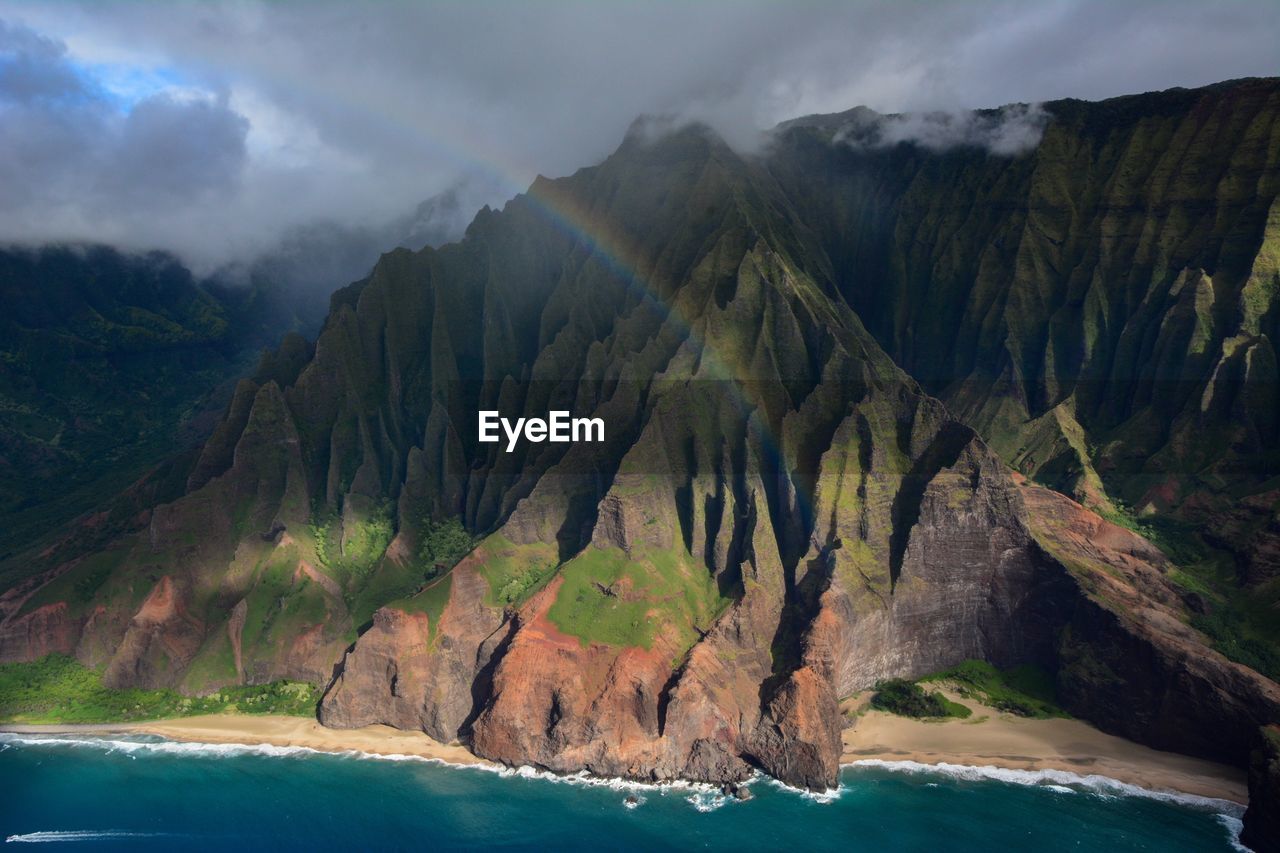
x=155, y=795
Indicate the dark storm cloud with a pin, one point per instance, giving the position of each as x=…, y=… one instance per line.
x=212, y=128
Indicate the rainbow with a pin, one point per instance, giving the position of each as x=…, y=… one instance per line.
x=608, y=245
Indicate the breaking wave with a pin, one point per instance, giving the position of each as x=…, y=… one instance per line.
x=1060, y=781
x=1228, y=813
x=704, y=797
x=700, y=794
x=824, y=797
x=150, y=744
x=1234, y=826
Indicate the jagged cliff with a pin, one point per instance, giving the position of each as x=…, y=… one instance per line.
x=1103, y=309
x=1262, y=821
x=781, y=513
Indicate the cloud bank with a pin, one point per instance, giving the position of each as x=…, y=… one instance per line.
x=215, y=128
x=73, y=163
x=1005, y=132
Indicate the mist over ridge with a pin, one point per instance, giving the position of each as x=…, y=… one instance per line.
x=219, y=131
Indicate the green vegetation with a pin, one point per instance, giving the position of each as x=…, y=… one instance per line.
x=611, y=597
x=354, y=552
x=368, y=540
x=369, y=580
x=57, y=689
x=277, y=607
x=1122, y=515
x=521, y=587
x=322, y=531
x=1239, y=622
x=1026, y=690
x=1177, y=540
x=80, y=585
x=443, y=544
x=908, y=699
x=515, y=572
x=390, y=580
x=431, y=601
x=1236, y=636
x=108, y=361
x=215, y=664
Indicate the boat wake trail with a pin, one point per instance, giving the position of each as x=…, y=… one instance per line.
x=61, y=836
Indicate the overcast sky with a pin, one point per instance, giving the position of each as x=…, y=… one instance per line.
x=210, y=128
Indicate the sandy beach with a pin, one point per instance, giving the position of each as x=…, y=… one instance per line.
x=1016, y=743
x=999, y=740
x=276, y=731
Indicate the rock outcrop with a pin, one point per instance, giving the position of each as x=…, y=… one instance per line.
x=1127, y=659
x=1262, y=820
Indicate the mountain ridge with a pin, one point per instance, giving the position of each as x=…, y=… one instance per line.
x=780, y=514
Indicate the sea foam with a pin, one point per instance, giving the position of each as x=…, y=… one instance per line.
x=132, y=746
x=160, y=746
x=1234, y=826
x=822, y=797
x=1057, y=780
x=702, y=796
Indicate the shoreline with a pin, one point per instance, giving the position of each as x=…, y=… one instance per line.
x=1007, y=742
x=999, y=741
x=273, y=730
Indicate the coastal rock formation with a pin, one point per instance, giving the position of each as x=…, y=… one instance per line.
x=1262, y=820
x=816, y=367
x=45, y=630
x=389, y=679
x=1127, y=659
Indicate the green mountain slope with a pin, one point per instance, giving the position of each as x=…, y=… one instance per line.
x=1103, y=309
x=111, y=363
x=780, y=513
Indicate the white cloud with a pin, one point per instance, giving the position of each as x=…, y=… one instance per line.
x=1007, y=132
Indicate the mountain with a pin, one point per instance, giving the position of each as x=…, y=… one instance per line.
x=311, y=261
x=1104, y=311
x=114, y=361
x=872, y=408
x=111, y=362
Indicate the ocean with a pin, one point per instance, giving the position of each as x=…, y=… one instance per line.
x=141, y=793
